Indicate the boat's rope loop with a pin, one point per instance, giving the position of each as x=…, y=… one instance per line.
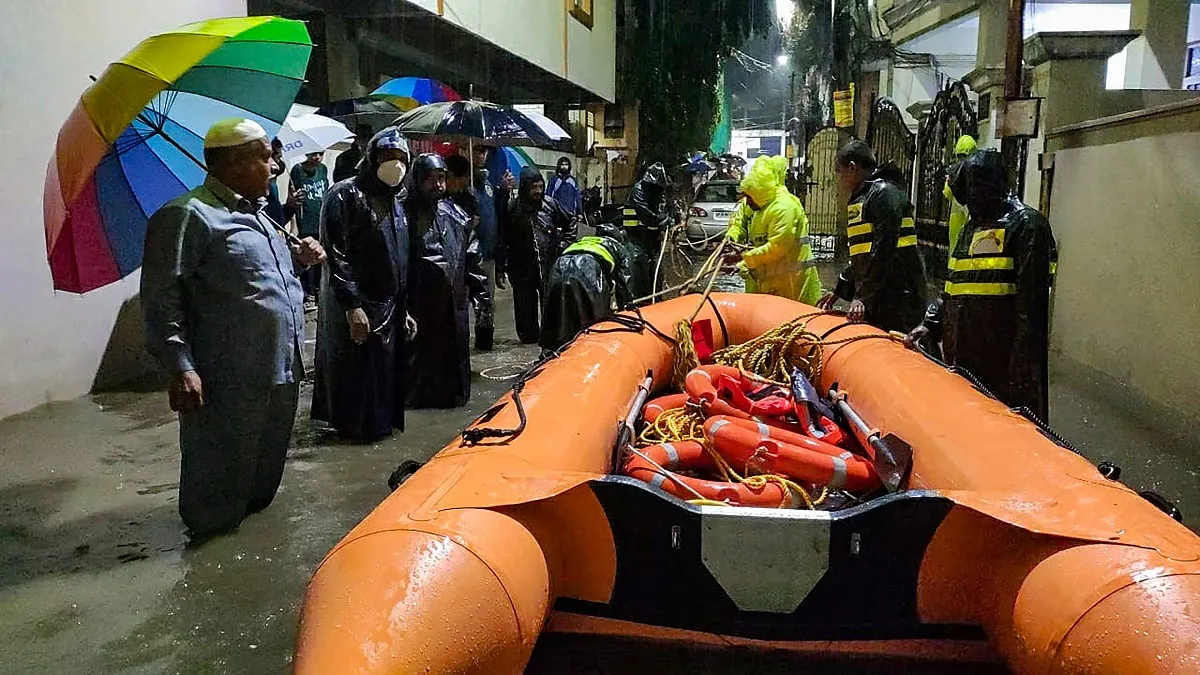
x=473, y=436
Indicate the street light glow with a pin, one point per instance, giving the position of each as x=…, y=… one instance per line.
x=782, y=60
x=784, y=10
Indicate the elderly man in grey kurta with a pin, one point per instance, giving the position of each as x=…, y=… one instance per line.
x=224, y=315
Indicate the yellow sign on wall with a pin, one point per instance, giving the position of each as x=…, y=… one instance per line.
x=843, y=107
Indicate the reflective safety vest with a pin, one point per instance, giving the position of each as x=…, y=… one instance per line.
x=595, y=246
x=861, y=235
x=986, y=269
x=629, y=217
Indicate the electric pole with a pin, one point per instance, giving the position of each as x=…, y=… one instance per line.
x=1014, y=75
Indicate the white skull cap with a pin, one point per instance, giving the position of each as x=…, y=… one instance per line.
x=233, y=132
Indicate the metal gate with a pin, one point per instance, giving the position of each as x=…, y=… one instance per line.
x=889, y=136
x=951, y=117
x=822, y=203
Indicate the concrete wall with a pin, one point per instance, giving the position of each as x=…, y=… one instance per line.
x=591, y=54
x=547, y=36
x=56, y=345
x=1124, y=212
x=954, y=44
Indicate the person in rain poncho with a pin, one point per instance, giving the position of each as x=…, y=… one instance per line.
x=993, y=316
x=535, y=231
x=440, y=370
x=223, y=315
x=885, y=280
x=488, y=201
x=646, y=218
x=965, y=147
x=362, y=329
x=774, y=225
x=583, y=284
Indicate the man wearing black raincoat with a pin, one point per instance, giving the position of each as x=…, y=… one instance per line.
x=885, y=280
x=582, y=285
x=440, y=287
x=993, y=316
x=536, y=230
x=646, y=218
x=361, y=331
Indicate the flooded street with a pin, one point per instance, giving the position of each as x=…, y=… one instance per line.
x=95, y=574
x=96, y=577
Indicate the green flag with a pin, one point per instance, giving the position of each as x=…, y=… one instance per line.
x=724, y=130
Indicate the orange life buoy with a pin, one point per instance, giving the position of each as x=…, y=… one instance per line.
x=744, y=444
x=662, y=404
x=701, y=387
x=692, y=455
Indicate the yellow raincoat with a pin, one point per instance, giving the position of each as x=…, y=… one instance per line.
x=739, y=220
x=781, y=261
x=965, y=147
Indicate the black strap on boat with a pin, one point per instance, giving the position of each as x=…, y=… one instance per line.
x=474, y=436
x=625, y=324
x=835, y=329
x=720, y=320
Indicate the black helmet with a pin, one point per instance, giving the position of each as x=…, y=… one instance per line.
x=611, y=231
x=426, y=164
x=655, y=174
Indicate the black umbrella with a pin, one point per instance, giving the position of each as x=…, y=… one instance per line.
x=481, y=122
x=373, y=112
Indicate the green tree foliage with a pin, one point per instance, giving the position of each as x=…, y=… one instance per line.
x=673, y=52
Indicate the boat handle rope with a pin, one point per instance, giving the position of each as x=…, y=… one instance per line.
x=473, y=436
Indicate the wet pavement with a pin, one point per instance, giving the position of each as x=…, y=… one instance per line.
x=95, y=576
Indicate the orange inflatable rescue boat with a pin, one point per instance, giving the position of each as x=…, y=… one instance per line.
x=541, y=517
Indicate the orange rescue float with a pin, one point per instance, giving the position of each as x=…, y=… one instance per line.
x=1002, y=539
x=691, y=455
x=777, y=451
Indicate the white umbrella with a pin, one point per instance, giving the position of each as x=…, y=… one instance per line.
x=549, y=127
x=310, y=132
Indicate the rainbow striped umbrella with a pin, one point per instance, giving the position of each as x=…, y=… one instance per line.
x=507, y=159
x=407, y=93
x=135, y=140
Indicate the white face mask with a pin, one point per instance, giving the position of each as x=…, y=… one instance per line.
x=391, y=172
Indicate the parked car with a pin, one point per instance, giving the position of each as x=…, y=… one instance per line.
x=709, y=216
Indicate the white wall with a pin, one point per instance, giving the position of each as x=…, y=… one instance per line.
x=1125, y=300
x=51, y=344
x=592, y=54
x=543, y=33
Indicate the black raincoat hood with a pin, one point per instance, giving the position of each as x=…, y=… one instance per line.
x=980, y=182
x=655, y=175
x=529, y=176
x=890, y=173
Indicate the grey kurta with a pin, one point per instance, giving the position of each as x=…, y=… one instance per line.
x=220, y=296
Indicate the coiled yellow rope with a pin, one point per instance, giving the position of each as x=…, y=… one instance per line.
x=776, y=353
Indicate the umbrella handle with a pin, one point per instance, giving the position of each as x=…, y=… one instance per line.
x=291, y=238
